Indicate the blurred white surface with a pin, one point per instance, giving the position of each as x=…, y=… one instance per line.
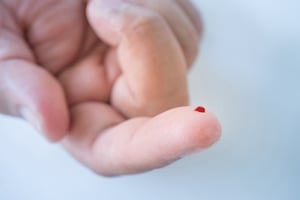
x=248, y=74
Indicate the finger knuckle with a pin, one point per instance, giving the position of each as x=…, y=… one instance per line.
x=146, y=22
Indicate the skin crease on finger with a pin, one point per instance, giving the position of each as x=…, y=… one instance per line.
x=106, y=83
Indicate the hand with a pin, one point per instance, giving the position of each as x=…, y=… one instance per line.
x=98, y=73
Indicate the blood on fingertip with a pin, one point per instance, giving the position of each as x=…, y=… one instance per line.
x=200, y=109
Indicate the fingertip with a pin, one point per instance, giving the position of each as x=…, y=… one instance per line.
x=56, y=127
x=207, y=129
x=192, y=129
x=33, y=94
x=204, y=127
x=53, y=113
x=49, y=120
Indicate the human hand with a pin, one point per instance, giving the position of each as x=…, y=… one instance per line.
x=96, y=78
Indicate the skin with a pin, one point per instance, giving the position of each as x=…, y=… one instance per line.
x=108, y=79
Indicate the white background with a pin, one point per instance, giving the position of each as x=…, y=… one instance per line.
x=248, y=74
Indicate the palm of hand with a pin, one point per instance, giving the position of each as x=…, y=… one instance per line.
x=88, y=74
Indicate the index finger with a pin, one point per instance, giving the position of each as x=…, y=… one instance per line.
x=103, y=141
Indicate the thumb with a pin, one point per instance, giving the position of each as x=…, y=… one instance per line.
x=150, y=58
x=30, y=92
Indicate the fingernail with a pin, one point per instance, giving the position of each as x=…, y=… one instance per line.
x=31, y=118
x=200, y=109
x=107, y=4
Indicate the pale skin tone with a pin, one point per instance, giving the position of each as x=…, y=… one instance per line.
x=106, y=78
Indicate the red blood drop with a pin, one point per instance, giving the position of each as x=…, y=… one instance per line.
x=200, y=109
